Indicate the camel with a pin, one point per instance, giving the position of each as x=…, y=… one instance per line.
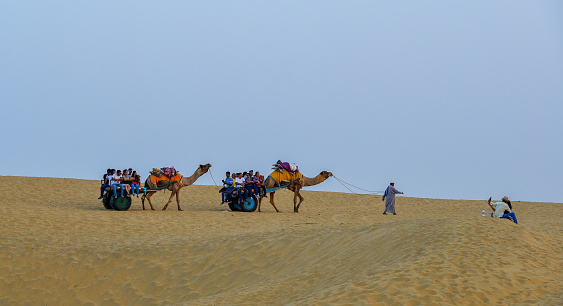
x=175, y=188
x=296, y=187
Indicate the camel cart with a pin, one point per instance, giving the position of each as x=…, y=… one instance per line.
x=110, y=202
x=233, y=198
x=236, y=203
x=124, y=203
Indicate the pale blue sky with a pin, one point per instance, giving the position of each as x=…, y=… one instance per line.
x=450, y=99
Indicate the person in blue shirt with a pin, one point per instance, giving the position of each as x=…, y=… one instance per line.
x=227, y=186
x=228, y=181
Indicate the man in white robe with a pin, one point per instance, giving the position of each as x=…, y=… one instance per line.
x=390, y=195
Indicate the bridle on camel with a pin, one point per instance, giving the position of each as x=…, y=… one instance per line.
x=212, y=177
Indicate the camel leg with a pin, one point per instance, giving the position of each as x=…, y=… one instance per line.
x=148, y=196
x=272, y=201
x=178, y=200
x=295, y=200
x=297, y=194
x=170, y=199
x=260, y=202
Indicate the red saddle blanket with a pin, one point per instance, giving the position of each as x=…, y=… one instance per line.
x=155, y=179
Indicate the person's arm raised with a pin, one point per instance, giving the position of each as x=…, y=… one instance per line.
x=489, y=202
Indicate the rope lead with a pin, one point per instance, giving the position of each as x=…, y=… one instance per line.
x=343, y=182
x=212, y=177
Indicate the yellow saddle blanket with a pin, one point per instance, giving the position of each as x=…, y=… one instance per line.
x=155, y=179
x=286, y=176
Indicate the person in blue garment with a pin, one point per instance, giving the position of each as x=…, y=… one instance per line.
x=389, y=194
x=503, y=209
x=227, y=186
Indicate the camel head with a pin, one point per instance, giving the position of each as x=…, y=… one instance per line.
x=205, y=167
x=326, y=174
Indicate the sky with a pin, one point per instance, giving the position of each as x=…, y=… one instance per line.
x=449, y=99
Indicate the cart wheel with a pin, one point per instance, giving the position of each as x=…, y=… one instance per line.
x=234, y=205
x=250, y=204
x=106, y=200
x=120, y=203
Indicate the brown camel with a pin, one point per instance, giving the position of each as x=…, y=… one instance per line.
x=175, y=188
x=307, y=181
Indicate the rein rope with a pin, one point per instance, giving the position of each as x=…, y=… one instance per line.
x=343, y=182
x=212, y=177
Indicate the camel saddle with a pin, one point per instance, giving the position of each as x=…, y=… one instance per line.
x=156, y=172
x=286, y=177
x=285, y=166
x=169, y=171
x=155, y=179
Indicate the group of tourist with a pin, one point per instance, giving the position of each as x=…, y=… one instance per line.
x=127, y=181
x=245, y=183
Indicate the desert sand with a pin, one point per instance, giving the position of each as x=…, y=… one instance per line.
x=59, y=246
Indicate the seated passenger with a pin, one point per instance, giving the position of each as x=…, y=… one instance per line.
x=228, y=181
x=135, y=182
x=503, y=209
x=227, y=186
x=126, y=181
x=239, y=184
x=249, y=186
x=259, y=183
x=105, y=182
x=115, y=181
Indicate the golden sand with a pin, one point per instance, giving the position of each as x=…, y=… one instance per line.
x=59, y=246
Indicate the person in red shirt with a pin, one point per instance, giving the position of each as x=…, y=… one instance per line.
x=135, y=182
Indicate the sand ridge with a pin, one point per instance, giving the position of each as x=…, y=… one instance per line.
x=60, y=246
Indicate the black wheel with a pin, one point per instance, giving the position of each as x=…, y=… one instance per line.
x=120, y=203
x=250, y=204
x=106, y=200
x=234, y=205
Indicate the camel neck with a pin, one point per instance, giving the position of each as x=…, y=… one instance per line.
x=311, y=181
x=186, y=181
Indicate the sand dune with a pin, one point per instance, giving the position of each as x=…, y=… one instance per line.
x=60, y=246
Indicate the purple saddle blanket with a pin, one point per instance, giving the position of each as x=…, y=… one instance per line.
x=285, y=166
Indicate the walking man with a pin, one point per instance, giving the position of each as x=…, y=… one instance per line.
x=390, y=195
